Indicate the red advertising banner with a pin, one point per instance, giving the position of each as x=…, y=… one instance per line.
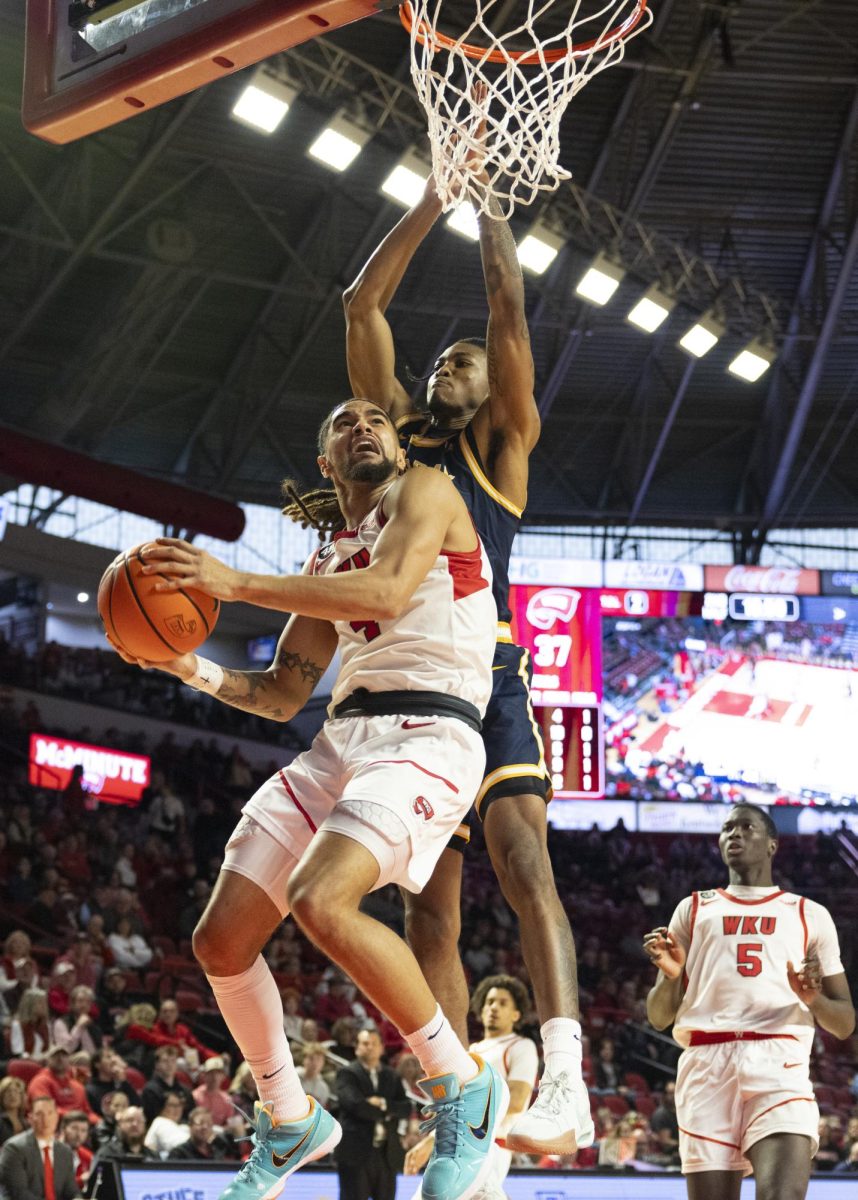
x=780, y=581
x=113, y=776
x=561, y=627
x=636, y=602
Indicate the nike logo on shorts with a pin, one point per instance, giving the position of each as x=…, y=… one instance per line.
x=788, y=1065
x=416, y=724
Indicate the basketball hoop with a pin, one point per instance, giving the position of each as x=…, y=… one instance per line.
x=494, y=102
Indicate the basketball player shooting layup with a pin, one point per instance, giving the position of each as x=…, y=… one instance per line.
x=405, y=594
x=744, y=972
x=480, y=427
x=500, y=1002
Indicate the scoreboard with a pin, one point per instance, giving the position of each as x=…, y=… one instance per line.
x=561, y=628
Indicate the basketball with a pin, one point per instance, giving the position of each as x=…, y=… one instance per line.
x=155, y=626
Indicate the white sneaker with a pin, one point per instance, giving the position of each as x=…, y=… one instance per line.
x=558, y=1121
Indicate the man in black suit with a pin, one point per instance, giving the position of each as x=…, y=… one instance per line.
x=34, y=1165
x=372, y=1102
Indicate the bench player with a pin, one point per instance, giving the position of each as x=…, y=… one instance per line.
x=480, y=427
x=499, y=1001
x=404, y=593
x=744, y=974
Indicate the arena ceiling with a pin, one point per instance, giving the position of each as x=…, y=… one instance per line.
x=170, y=288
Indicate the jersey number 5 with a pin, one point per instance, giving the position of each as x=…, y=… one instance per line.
x=748, y=961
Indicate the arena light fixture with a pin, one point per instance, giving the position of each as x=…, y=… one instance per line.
x=406, y=181
x=600, y=280
x=264, y=102
x=752, y=362
x=339, y=143
x=463, y=220
x=702, y=335
x=652, y=310
x=538, y=248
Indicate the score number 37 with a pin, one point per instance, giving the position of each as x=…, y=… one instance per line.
x=552, y=649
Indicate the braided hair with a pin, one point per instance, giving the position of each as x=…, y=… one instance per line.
x=318, y=509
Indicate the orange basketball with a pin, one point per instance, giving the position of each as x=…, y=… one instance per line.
x=147, y=624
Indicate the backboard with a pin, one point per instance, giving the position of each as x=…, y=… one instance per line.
x=92, y=63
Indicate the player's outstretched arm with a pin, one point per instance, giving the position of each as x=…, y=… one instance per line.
x=828, y=997
x=662, y=1003
x=511, y=406
x=422, y=508
x=369, y=341
x=304, y=651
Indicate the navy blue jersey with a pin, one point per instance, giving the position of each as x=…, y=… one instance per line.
x=496, y=518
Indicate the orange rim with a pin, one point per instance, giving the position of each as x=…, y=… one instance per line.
x=425, y=33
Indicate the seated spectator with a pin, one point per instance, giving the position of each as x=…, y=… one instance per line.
x=62, y=983
x=242, y=1091
x=624, y=1142
x=129, y=949
x=55, y=1080
x=410, y=1072
x=204, y=1144
x=29, y=1032
x=174, y=1032
x=109, y=1074
x=167, y=1131
x=606, y=1069
x=81, y=955
x=210, y=1094
x=112, y=1105
x=850, y=1163
x=13, y=1108
x=335, y=1003
x=830, y=1153
x=113, y=1000
x=17, y=945
x=292, y=1019
x=74, y=1131
x=343, y=1038
x=310, y=1073
x=21, y=1171
x=164, y=1081
x=78, y=1030
x=128, y=1141
x=665, y=1126
x=101, y=953
x=20, y=884
x=136, y=1039
x=26, y=976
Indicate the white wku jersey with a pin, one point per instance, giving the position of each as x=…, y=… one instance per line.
x=443, y=641
x=738, y=942
x=515, y=1058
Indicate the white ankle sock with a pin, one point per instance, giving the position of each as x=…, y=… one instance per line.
x=251, y=1006
x=440, y=1051
x=561, y=1046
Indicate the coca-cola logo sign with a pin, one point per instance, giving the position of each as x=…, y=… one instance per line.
x=791, y=581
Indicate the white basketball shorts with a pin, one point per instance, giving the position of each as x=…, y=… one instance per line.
x=399, y=786
x=732, y=1094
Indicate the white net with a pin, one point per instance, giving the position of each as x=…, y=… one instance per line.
x=498, y=99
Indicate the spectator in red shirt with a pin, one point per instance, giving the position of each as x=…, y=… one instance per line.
x=82, y=957
x=62, y=983
x=74, y=1130
x=210, y=1094
x=337, y=1003
x=173, y=1032
x=55, y=1080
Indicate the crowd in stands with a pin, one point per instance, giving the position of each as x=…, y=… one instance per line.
x=103, y=1009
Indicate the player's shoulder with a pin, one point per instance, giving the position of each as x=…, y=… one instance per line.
x=420, y=482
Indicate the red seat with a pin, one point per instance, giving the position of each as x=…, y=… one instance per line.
x=163, y=943
x=136, y=1078
x=645, y=1105
x=616, y=1104
x=636, y=1082
x=188, y=1001
x=23, y=1068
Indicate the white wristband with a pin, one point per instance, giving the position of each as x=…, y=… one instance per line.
x=208, y=677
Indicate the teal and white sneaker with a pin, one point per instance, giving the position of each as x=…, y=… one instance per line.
x=281, y=1148
x=558, y=1121
x=464, y=1118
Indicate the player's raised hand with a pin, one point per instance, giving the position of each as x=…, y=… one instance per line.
x=806, y=982
x=188, y=566
x=663, y=949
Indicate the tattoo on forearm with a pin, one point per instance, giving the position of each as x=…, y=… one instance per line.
x=292, y=662
x=500, y=258
x=247, y=690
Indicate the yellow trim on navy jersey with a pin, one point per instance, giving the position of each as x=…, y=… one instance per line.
x=484, y=482
x=522, y=670
x=513, y=771
x=417, y=440
x=463, y=832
